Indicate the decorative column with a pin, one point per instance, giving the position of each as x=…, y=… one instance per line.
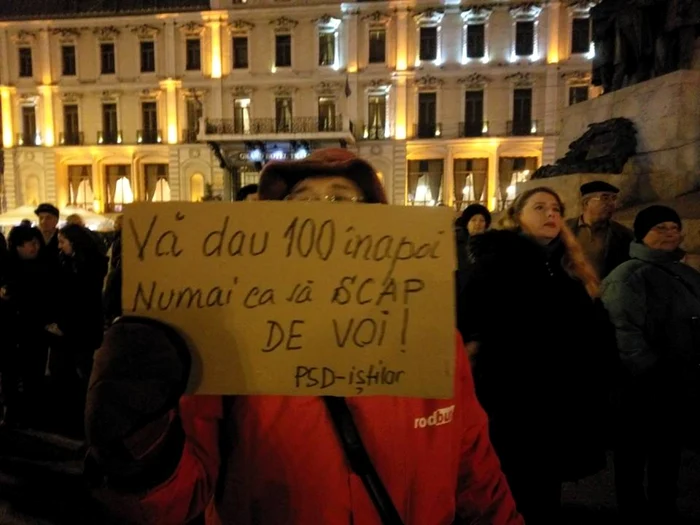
x=400, y=89
x=448, y=179
x=47, y=135
x=170, y=68
x=402, y=40
x=352, y=41
x=551, y=103
x=4, y=64
x=45, y=57
x=170, y=87
x=492, y=179
x=215, y=38
x=7, y=122
x=401, y=76
x=553, y=16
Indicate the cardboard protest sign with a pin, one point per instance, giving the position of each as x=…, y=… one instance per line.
x=299, y=298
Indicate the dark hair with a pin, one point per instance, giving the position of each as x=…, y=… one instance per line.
x=19, y=235
x=243, y=193
x=471, y=211
x=84, y=246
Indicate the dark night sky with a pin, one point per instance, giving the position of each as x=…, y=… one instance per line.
x=23, y=9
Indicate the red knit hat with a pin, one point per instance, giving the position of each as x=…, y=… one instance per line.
x=279, y=177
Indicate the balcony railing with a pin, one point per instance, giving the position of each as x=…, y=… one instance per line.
x=473, y=129
x=72, y=138
x=264, y=126
x=189, y=136
x=149, y=136
x=109, y=137
x=374, y=133
x=520, y=128
x=427, y=130
x=28, y=139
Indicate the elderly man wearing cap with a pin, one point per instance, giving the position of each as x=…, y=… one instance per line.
x=48, y=225
x=605, y=242
x=654, y=302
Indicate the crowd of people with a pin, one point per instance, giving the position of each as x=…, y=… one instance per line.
x=599, y=348
x=53, y=317
x=572, y=338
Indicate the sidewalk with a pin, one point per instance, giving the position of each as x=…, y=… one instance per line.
x=41, y=484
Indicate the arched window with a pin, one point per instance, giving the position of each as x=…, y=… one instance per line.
x=196, y=187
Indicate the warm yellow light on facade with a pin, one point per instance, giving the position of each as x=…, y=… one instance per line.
x=553, y=36
x=401, y=41
x=400, y=117
x=352, y=68
x=48, y=138
x=215, y=49
x=6, y=102
x=170, y=86
x=172, y=132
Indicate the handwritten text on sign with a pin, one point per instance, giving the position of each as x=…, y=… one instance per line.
x=299, y=298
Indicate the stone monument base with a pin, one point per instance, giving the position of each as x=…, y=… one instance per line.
x=666, y=114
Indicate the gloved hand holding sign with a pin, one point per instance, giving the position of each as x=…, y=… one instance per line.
x=133, y=432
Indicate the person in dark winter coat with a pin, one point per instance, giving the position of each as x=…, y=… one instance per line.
x=48, y=215
x=80, y=321
x=654, y=302
x=544, y=351
x=273, y=459
x=113, y=286
x=475, y=220
x=28, y=297
x=84, y=268
x=605, y=242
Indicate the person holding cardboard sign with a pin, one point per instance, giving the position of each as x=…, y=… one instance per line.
x=164, y=458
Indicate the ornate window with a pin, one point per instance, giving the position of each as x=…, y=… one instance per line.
x=328, y=41
x=429, y=36
x=283, y=28
x=239, y=31
x=377, y=27
x=525, y=29
x=474, y=31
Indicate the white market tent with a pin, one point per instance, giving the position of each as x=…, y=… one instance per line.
x=92, y=220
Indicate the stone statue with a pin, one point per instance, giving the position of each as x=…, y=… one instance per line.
x=681, y=27
x=636, y=40
x=604, y=30
x=604, y=148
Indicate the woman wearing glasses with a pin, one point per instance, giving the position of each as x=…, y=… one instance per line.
x=272, y=460
x=654, y=302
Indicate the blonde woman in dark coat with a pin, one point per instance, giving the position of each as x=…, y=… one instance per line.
x=544, y=351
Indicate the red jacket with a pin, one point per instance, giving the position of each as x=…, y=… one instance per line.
x=284, y=464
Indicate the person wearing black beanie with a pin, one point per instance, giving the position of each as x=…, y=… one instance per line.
x=653, y=216
x=475, y=218
x=654, y=303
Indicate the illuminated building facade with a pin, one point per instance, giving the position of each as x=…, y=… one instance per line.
x=451, y=102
